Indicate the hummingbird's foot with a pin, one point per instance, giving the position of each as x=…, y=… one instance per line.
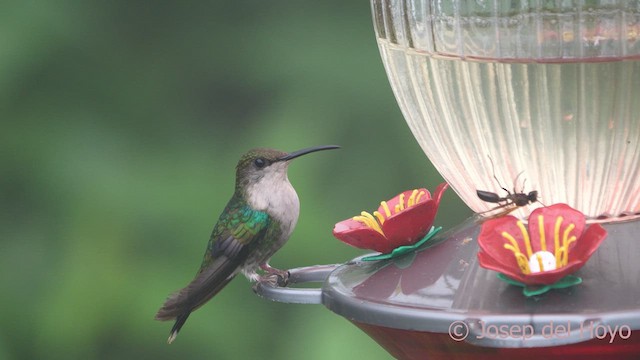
x=275, y=276
x=273, y=280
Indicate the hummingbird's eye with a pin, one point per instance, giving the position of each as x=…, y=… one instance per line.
x=260, y=163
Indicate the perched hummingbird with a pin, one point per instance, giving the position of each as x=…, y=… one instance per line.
x=256, y=223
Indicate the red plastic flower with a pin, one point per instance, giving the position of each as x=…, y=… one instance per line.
x=401, y=221
x=555, y=244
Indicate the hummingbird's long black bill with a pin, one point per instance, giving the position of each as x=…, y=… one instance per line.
x=308, y=150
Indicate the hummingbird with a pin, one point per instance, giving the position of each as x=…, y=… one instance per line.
x=256, y=223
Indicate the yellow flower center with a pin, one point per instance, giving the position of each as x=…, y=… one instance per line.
x=376, y=220
x=542, y=260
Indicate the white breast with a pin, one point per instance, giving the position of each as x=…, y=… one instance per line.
x=274, y=194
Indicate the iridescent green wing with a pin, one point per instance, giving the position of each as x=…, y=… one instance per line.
x=238, y=229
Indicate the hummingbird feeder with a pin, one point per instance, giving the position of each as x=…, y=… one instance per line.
x=533, y=103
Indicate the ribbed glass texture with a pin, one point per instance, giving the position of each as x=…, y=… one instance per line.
x=549, y=91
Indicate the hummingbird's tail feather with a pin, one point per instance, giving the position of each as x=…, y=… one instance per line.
x=180, y=320
x=207, y=284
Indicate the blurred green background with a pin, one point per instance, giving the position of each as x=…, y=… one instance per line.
x=121, y=126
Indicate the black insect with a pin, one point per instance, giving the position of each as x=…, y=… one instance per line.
x=509, y=202
x=517, y=199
